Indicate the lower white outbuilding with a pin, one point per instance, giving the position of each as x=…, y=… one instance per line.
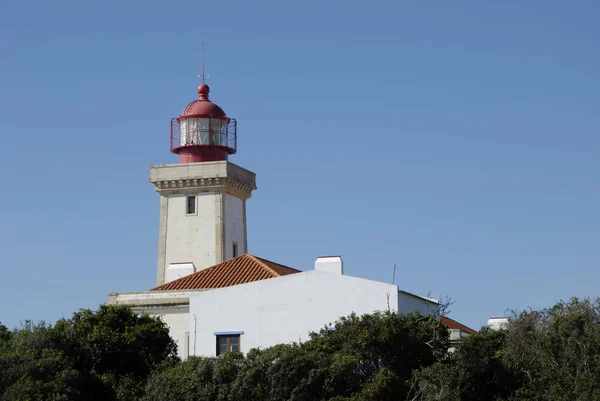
x=249, y=302
x=286, y=309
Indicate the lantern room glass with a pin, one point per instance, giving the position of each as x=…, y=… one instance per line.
x=203, y=131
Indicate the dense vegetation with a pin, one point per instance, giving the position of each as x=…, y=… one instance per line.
x=103, y=355
x=114, y=354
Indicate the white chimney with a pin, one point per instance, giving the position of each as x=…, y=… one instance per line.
x=330, y=264
x=497, y=323
x=178, y=270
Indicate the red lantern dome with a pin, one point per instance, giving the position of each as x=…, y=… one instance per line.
x=203, y=132
x=202, y=107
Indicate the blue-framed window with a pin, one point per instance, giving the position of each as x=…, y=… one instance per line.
x=228, y=341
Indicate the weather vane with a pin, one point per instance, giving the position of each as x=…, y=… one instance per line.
x=201, y=69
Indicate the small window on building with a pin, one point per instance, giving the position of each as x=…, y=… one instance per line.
x=186, y=349
x=235, y=249
x=191, y=205
x=228, y=343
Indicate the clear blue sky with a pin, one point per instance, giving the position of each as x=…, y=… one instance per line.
x=458, y=140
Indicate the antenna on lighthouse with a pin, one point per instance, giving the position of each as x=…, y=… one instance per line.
x=201, y=69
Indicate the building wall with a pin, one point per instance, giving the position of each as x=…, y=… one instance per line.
x=206, y=237
x=178, y=320
x=171, y=306
x=234, y=226
x=191, y=238
x=408, y=303
x=497, y=323
x=284, y=309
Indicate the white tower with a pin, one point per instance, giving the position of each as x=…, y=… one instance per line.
x=203, y=198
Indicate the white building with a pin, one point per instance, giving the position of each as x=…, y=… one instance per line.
x=212, y=294
x=457, y=330
x=497, y=323
x=285, y=309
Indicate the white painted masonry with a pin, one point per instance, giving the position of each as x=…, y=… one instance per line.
x=330, y=264
x=171, y=306
x=497, y=323
x=235, y=222
x=414, y=303
x=285, y=309
x=178, y=320
x=178, y=270
x=192, y=237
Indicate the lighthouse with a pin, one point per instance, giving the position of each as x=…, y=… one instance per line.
x=203, y=197
x=212, y=294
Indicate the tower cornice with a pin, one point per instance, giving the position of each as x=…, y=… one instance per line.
x=190, y=178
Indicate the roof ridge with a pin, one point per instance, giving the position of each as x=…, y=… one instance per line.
x=460, y=324
x=239, y=270
x=203, y=271
x=263, y=264
x=278, y=264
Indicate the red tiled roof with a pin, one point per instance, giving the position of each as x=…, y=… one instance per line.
x=239, y=270
x=453, y=324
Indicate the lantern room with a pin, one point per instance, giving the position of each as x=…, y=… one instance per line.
x=203, y=132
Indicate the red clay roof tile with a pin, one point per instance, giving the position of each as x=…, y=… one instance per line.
x=453, y=324
x=242, y=269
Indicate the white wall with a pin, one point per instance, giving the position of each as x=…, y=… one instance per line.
x=171, y=306
x=497, y=323
x=234, y=225
x=191, y=238
x=197, y=237
x=409, y=303
x=283, y=309
x=178, y=320
x=177, y=270
x=455, y=334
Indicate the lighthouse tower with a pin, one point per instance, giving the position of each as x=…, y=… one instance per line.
x=203, y=197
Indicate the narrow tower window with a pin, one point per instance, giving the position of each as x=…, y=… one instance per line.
x=191, y=205
x=235, y=249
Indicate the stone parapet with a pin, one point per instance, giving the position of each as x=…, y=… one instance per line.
x=150, y=298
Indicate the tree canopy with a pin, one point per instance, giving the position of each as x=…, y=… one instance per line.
x=550, y=354
x=368, y=357
x=114, y=354
x=103, y=355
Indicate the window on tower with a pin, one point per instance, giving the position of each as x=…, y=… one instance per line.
x=235, y=249
x=191, y=205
